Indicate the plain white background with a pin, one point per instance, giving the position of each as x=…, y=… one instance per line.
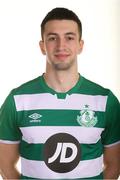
x=20, y=56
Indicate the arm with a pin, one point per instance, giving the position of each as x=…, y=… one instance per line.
x=9, y=155
x=112, y=162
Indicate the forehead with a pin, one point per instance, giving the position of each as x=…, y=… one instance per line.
x=60, y=27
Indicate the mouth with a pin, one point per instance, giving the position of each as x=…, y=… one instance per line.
x=61, y=56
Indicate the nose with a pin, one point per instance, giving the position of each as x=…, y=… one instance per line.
x=61, y=43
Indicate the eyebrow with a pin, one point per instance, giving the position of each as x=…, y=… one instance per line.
x=70, y=33
x=50, y=34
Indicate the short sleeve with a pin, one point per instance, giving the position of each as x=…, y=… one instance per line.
x=9, y=131
x=111, y=134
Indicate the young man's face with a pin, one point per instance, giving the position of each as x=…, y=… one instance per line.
x=61, y=43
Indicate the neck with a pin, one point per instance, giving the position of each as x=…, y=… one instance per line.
x=61, y=81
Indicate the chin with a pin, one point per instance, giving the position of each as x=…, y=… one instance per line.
x=62, y=67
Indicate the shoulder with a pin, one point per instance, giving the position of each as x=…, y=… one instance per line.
x=29, y=87
x=93, y=88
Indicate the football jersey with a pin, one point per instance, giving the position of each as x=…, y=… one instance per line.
x=61, y=135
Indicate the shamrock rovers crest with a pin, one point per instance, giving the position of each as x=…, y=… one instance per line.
x=87, y=117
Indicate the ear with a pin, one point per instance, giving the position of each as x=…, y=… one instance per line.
x=42, y=47
x=81, y=44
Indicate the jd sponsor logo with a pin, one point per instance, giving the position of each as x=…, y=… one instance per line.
x=35, y=117
x=62, y=152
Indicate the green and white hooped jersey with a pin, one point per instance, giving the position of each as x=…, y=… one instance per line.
x=61, y=135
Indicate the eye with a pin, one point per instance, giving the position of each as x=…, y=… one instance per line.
x=70, y=38
x=52, y=38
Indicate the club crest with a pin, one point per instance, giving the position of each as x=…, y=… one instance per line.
x=87, y=117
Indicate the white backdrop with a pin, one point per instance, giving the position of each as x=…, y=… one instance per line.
x=20, y=56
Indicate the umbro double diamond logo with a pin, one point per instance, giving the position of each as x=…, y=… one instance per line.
x=35, y=117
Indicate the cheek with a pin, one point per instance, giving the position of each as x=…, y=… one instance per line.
x=75, y=49
x=49, y=48
x=78, y=49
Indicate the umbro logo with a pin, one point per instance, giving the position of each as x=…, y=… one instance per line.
x=35, y=117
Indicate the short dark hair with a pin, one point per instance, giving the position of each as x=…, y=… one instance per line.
x=61, y=14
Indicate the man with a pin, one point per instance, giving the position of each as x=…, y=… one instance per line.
x=62, y=125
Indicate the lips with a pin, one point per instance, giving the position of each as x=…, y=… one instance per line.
x=61, y=56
